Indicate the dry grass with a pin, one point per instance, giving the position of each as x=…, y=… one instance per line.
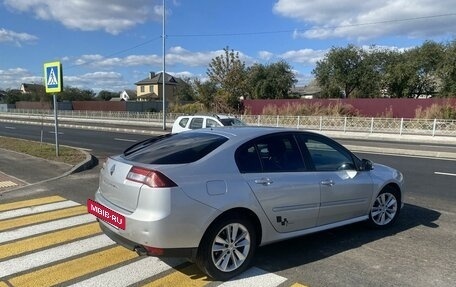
x=315, y=109
x=443, y=112
x=43, y=150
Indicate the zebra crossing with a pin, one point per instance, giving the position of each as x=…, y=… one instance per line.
x=52, y=241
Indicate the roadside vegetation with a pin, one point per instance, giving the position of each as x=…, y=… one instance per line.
x=43, y=150
x=344, y=72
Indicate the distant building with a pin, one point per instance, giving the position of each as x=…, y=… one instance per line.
x=32, y=88
x=125, y=96
x=310, y=91
x=128, y=95
x=151, y=88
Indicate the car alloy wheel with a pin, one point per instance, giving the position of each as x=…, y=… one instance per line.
x=385, y=209
x=227, y=248
x=231, y=247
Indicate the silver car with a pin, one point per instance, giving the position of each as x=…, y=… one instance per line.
x=215, y=195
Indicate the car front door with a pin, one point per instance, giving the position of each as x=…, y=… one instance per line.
x=277, y=175
x=345, y=191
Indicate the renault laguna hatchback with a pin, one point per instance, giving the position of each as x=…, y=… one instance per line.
x=215, y=195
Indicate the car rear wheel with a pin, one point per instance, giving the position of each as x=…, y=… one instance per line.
x=386, y=208
x=227, y=248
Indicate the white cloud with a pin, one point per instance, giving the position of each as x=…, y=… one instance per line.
x=112, y=16
x=97, y=81
x=8, y=36
x=265, y=55
x=304, y=56
x=370, y=18
x=12, y=78
x=175, y=56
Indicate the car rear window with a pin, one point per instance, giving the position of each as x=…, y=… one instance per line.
x=232, y=122
x=176, y=149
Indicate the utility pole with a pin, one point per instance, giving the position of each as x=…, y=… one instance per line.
x=164, y=68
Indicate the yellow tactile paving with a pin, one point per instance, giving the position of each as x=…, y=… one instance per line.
x=73, y=269
x=47, y=240
x=30, y=202
x=189, y=276
x=3, y=284
x=41, y=217
x=7, y=183
x=298, y=285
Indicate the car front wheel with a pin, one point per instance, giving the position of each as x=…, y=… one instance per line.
x=386, y=208
x=227, y=248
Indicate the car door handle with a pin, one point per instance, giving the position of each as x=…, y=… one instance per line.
x=328, y=182
x=263, y=181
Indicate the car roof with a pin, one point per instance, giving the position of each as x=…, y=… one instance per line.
x=243, y=133
x=217, y=116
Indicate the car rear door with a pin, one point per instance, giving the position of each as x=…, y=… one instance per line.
x=287, y=192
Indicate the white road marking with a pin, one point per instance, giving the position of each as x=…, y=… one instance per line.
x=37, y=209
x=45, y=227
x=124, y=275
x=125, y=140
x=445, y=173
x=10, y=128
x=60, y=133
x=255, y=277
x=130, y=274
x=51, y=255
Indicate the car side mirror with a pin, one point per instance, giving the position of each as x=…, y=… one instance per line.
x=366, y=165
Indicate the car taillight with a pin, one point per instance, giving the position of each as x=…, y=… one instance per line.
x=149, y=177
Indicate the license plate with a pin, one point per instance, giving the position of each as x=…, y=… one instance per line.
x=106, y=214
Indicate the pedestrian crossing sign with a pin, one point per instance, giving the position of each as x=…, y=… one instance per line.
x=53, y=78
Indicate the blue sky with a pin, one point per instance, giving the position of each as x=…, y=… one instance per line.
x=111, y=44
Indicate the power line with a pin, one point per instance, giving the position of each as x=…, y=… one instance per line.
x=270, y=32
x=313, y=28
x=119, y=52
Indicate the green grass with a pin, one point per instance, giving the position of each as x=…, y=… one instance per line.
x=43, y=150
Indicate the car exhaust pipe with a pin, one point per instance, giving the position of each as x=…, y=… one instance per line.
x=140, y=250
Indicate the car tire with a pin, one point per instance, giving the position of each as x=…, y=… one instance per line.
x=385, y=209
x=227, y=248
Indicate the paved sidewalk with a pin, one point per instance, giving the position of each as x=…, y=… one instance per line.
x=18, y=169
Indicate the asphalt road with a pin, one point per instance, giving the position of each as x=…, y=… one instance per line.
x=418, y=251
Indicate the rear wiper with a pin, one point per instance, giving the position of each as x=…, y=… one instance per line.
x=139, y=145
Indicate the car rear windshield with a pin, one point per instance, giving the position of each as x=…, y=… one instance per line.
x=232, y=122
x=176, y=149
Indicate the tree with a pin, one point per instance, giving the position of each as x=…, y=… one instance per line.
x=185, y=91
x=228, y=72
x=107, y=95
x=12, y=96
x=426, y=60
x=75, y=94
x=272, y=81
x=205, y=92
x=340, y=71
x=447, y=71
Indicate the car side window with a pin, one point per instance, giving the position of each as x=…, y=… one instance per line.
x=328, y=157
x=247, y=159
x=279, y=153
x=210, y=123
x=183, y=122
x=196, y=123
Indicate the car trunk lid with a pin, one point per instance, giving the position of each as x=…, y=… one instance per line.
x=115, y=187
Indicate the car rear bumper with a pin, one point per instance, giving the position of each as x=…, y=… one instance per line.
x=145, y=250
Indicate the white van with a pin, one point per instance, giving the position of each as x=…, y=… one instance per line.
x=185, y=123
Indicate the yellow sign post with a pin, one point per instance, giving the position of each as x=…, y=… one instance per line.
x=53, y=81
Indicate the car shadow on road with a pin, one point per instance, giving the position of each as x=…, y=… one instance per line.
x=314, y=247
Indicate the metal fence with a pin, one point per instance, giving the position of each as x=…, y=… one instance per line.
x=399, y=126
